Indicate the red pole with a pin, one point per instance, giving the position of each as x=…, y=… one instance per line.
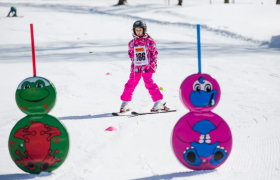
x=33, y=49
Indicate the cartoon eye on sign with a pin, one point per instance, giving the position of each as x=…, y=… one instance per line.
x=200, y=92
x=202, y=85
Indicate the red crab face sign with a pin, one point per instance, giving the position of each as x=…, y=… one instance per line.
x=38, y=143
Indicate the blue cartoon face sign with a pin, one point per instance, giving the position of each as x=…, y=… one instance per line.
x=203, y=94
x=200, y=93
x=201, y=141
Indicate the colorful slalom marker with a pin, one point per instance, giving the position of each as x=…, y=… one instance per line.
x=38, y=142
x=201, y=139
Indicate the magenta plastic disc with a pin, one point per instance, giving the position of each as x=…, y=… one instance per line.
x=200, y=93
x=201, y=141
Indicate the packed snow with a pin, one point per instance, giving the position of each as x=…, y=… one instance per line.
x=240, y=48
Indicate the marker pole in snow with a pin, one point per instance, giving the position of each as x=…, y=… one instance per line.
x=198, y=48
x=33, y=49
x=201, y=93
x=53, y=150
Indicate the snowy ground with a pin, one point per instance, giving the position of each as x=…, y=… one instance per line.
x=235, y=50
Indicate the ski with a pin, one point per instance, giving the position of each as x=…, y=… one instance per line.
x=162, y=111
x=119, y=113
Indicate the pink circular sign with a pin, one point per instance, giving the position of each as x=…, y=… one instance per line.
x=200, y=93
x=201, y=141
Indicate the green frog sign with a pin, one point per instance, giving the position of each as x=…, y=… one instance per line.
x=38, y=142
x=35, y=96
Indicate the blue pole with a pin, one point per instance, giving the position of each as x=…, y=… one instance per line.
x=198, y=48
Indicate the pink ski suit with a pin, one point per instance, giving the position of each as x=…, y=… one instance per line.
x=146, y=71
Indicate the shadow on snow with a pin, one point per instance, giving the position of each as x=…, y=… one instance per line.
x=176, y=175
x=22, y=176
x=105, y=115
x=73, y=51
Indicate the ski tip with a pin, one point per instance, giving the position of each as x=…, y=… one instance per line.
x=134, y=113
x=119, y=113
x=156, y=112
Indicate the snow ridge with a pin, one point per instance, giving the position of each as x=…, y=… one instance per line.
x=86, y=9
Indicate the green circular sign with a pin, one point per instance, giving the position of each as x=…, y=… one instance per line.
x=38, y=143
x=36, y=96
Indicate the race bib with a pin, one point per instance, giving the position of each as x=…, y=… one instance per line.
x=140, y=56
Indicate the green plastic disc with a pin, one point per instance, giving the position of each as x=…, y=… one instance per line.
x=36, y=96
x=38, y=143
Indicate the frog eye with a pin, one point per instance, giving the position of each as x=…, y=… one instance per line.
x=39, y=85
x=208, y=88
x=197, y=87
x=26, y=86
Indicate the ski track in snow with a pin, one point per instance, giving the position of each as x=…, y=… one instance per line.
x=92, y=10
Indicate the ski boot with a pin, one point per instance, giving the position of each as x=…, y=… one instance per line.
x=159, y=106
x=124, y=107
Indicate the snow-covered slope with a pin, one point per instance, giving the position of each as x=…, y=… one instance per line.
x=235, y=52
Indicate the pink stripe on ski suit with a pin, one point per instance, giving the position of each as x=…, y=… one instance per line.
x=145, y=71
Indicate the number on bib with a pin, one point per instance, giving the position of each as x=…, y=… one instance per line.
x=140, y=56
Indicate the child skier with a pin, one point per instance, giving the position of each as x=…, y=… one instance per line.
x=14, y=11
x=143, y=54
